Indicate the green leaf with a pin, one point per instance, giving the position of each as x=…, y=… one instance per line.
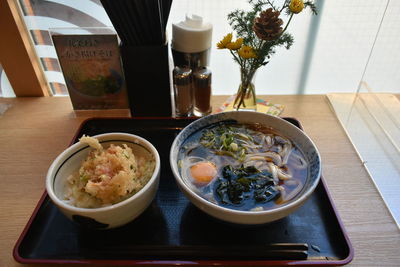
x=312, y=6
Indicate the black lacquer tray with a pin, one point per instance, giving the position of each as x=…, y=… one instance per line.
x=172, y=231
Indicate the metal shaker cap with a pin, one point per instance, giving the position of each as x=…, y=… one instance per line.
x=182, y=75
x=202, y=77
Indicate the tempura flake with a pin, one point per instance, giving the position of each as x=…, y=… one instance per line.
x=107, y=176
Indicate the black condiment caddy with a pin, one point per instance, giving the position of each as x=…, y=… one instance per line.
x=141, y=26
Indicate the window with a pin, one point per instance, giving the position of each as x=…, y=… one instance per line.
x=329, y=53
x=41, y=15
x=5, y=86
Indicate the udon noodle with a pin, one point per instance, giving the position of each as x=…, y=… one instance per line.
x=243, y=166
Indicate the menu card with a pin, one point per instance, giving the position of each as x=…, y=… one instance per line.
x=92, y=69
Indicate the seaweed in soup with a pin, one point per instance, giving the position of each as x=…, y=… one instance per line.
x=238, y=184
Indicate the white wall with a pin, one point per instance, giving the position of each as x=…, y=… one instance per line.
x=345, y=38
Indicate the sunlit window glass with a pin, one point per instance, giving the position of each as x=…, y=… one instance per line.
x=5, y=86
x=41, y=15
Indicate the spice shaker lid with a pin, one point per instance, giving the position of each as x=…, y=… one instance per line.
x=202, y=77
x=192, y=35
x=182, y=75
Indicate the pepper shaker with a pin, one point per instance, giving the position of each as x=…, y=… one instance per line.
x=183, y=90
x=202, y=91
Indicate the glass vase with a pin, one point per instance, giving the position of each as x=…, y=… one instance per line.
x=246, y=94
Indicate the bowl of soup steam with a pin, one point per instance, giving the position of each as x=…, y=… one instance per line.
x=245, y=167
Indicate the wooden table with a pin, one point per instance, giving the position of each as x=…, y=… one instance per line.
x=33, y=131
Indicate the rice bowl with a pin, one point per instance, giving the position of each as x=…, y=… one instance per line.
x=116, y=211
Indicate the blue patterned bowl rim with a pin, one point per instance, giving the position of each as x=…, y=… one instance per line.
x=296, y=135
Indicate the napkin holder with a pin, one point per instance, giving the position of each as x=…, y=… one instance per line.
x=147, y=76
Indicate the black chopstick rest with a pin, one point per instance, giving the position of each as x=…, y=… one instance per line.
x=268, y=252
x=288, y=246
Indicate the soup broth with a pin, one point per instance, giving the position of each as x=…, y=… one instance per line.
x=242, y=166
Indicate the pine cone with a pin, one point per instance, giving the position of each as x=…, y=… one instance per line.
x=268, y=25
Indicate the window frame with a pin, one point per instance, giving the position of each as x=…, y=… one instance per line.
x=17, y=54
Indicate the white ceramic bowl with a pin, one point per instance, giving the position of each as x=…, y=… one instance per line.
x=105, y=217
x=288, y=130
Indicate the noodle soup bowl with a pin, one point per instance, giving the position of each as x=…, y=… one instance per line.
x=280, y=127
x=110, y=216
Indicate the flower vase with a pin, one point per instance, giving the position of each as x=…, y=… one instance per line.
x=246, y=94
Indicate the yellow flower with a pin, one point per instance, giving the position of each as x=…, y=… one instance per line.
x=247, y=52
x=226, y=40
x=235, y=45
x=296, y=6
